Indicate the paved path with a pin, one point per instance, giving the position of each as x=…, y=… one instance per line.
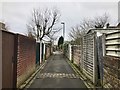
x=57, y=73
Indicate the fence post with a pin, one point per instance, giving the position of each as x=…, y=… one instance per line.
x=103, y=44
x=95, y=60
x=44, y=51
x=70, y=52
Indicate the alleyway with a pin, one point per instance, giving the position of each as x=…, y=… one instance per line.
x=57, y=73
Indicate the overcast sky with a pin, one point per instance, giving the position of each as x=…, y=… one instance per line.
x=16, y=14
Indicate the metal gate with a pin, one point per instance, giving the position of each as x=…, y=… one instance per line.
x=37, y=53
x=42, y=54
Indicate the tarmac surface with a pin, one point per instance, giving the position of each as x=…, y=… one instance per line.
x=57, y=73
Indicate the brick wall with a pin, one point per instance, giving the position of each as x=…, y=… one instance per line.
x=111, y=77
x=25, y=58
x=47, y=51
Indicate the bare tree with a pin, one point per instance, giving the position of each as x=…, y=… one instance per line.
x=79, y=30
x=100, y=21
x=42, y=23
x=75, y=34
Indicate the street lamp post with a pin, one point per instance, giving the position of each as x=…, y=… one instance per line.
x=63, y=29
x=63, y=35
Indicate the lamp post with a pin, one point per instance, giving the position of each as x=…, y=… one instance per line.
x=63, y=29
x=63, y=35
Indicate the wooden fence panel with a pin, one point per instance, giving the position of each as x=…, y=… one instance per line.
x=76, y=55
x=113, y=44
x=111, y=62
x=89, y=60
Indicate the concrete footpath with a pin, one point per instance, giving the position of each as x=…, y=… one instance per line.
x=57, y=73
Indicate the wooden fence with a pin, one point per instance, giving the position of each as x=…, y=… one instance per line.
x=89, y=60
x=111, y=62
x=76, y=55
x=85, y=56
x=68, y=51
x=100, y=52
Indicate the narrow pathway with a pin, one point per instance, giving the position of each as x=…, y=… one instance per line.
x=57, y=74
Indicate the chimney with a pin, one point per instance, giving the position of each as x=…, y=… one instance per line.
x=2, y=26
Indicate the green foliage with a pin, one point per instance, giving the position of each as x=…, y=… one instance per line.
x=60, y=41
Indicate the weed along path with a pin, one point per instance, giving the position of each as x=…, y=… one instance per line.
x=57, y=73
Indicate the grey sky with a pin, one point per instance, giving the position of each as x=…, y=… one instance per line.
x=16, y=14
